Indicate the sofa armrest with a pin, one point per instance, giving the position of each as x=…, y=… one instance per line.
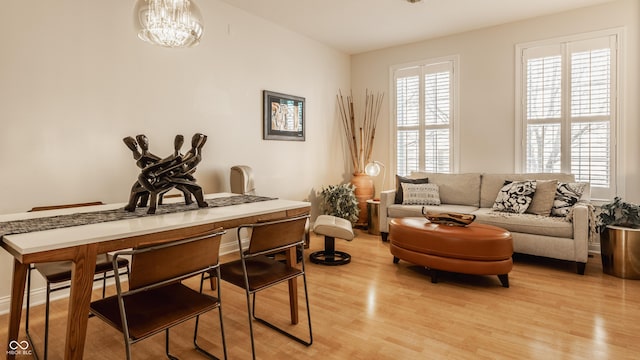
x=581, y=230
x=387, y=198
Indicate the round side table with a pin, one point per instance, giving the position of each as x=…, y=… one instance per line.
x=373, y=217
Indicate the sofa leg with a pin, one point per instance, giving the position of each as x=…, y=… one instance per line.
x=504, y=280
x=580, y=267
x=396, y=260
x=434, y=276
x=384, y=235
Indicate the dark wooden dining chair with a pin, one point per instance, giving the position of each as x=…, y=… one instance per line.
x=57, y=275
x=256, y=270
x=156, y=299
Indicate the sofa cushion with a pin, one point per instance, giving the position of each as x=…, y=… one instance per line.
x=398, y=211
x=526, y=223
x=543, y=198
x=401, y=180
x=420, y=194
x=515, y=196
x=492, y=183
x=456, y=189
x=567, y=195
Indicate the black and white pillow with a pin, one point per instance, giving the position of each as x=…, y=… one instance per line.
x=420, y=194
x=515, y=197
x=567, y=195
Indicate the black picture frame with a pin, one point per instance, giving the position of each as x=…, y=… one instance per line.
x=284, y=117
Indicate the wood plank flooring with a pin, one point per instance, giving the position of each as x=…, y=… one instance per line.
x=374, y=309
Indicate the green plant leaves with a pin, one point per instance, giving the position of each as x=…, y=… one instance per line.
x=619, y=213
x=340, y=200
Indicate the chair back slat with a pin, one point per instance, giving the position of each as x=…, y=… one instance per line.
x=276, y=234
x=168, y=262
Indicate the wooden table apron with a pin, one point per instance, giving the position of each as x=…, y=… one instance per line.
x=84, y=262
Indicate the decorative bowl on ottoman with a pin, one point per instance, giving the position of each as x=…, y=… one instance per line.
x=448, y=218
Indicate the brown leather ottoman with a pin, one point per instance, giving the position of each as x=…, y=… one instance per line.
x=474, y=249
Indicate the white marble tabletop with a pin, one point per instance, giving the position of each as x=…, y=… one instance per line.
x=39, y=241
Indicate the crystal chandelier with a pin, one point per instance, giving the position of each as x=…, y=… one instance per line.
x=169, y=23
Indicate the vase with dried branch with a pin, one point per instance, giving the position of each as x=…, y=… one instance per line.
x=360, y=132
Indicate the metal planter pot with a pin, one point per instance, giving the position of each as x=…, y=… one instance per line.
x=620, y=250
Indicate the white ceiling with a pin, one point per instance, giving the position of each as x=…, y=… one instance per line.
x=355, y=26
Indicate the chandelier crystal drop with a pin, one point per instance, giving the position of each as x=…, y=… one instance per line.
x=168, y=23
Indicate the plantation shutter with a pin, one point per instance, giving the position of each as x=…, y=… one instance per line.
x=408, y=121
x=569, y=92
x=591, y=90
x=424, y=118
x=437, y=102
x=543, y=109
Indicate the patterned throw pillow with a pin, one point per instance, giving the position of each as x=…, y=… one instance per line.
x=400, y=180
x=567, y=195
x=515, y=197
x=420, y=194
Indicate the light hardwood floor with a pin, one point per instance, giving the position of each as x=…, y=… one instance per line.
x=374, y=309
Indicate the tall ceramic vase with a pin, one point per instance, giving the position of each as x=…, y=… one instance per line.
x=364, y=191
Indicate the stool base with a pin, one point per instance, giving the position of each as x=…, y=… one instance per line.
x=329, y=256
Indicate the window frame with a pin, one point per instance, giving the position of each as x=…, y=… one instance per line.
x=616, y=123
x=454, y=127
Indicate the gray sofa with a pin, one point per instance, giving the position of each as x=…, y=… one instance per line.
x=565, y=238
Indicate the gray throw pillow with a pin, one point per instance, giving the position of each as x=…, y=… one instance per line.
x=399, y=180
x=543, y=198
x=420, y=194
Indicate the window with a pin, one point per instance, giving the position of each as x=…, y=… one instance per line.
x=568, y=96
x=425, y=117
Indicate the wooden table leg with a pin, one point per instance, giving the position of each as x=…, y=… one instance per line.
x=292, y=258
x=15, y=310
x=79, y=299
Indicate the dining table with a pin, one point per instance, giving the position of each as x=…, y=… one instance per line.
x=80, y=243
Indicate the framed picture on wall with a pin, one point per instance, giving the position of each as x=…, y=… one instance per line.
x=283, y=117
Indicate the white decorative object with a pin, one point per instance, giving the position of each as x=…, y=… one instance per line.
x=373, y=169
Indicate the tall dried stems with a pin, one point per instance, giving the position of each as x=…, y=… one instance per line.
x=360, y=133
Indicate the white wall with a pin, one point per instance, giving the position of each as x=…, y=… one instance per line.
x=487, y=84
x=75, y=80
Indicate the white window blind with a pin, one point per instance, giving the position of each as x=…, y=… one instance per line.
x=424, y=117
x=568, y=97
x=408, y=123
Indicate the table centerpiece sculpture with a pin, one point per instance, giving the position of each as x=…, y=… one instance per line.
x=158, y=176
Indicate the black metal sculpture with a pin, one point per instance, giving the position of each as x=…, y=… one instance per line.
x=161, y=175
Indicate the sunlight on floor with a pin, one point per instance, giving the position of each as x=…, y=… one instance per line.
x=600, y=335
x=371, y=300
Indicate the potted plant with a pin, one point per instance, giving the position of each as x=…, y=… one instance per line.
x=619, y=213
x=340, y=200
x=619, y=227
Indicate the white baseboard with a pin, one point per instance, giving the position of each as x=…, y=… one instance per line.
x=228, y=245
